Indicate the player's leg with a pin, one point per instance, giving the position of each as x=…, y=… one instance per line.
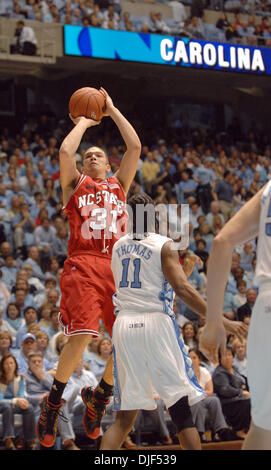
x=182, y=418
x=257, y=439
x=70, y=356
x=168, y=356
x=117, y=432
x=129, y=392
x=50, y=407
x=97, y=399
x=189, y=439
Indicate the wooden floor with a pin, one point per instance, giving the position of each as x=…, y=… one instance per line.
x=230, y=445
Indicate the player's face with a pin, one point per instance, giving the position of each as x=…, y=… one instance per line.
x=95, y=163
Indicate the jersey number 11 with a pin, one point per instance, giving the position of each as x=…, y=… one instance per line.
x=125, y=267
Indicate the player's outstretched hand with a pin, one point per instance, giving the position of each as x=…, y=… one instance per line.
x=108, y=102
x=189, y=263
x=212, y=338
x=237, y=328
x=86, y=121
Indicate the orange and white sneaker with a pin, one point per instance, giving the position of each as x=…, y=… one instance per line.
x=46, y=427
x=95, y=410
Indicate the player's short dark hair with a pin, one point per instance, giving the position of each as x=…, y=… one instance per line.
x=140, y=199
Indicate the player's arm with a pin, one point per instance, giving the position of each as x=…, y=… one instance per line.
x=68, y=172
x=127, y=170
x=241, y=228
x=175, y=275
x=189, y=263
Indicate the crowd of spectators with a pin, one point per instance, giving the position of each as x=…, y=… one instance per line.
x=214, y=173
x=186, y=22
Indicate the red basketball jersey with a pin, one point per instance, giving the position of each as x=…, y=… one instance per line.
x=96, y=215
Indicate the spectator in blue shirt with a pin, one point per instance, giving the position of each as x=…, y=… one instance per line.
x=196, y=281
x=205, y=177
x=22, y=299
x=14, y=320
x=33, y=259
x=54, y=327
x=22, y=283
x=30, y=316
x=9, y=272
x=22, y=223
x=13, y=400
x=230, y=305
x=98, y=363
x=27, y=345
x=246, y=257
x=187, y=187
x=225, y=195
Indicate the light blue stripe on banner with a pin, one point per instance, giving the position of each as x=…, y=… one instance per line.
x=189, y=370
x=71, y=35
x=116, y=387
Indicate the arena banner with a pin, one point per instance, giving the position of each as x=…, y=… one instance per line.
x=167, y=50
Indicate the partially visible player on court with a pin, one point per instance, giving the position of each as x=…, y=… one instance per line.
x=253, y=220
x=95, y=207
x=149, y=352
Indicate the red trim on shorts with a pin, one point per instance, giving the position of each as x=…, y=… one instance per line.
x=76, y=332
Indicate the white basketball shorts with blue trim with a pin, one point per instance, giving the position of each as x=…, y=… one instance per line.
x=150, y=356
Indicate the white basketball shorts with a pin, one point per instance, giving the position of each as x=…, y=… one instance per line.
x=150, y=356
x=258, y=359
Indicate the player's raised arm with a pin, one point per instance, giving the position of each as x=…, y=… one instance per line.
x=126, y=173
x=242, y=227
x=175, y=275
x=68, y=172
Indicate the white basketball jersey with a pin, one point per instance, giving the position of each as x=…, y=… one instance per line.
x=137, y=269
x=263, y=267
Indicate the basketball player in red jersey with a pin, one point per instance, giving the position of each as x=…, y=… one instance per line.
x=95, y=207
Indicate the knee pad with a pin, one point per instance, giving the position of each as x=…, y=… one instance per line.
x=181, y=414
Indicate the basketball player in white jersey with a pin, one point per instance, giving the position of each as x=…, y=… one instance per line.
x=253, y=220
x=149, y=352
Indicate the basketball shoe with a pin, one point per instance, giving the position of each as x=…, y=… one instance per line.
x=46, y=427
x=95, y=410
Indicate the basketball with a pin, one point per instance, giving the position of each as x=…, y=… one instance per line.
x=87, y=102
